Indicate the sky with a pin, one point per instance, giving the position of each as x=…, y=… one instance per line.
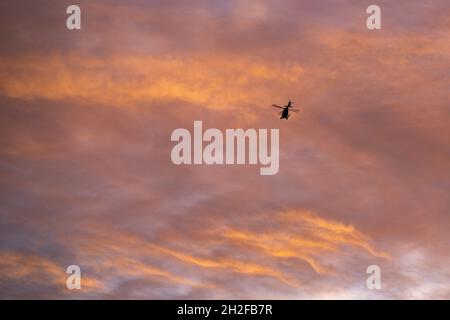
x=86, y=176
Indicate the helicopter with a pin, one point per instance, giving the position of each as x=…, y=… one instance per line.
x=285, y=113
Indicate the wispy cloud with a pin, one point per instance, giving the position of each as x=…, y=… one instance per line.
x=85, y=147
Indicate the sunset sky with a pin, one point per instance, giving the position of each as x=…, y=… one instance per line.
x=87, y=179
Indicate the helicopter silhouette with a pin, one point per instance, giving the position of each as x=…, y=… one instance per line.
x=285, y=112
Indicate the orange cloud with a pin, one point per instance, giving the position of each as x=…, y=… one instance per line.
x=129, y=251
x=307, y=237
x=304, y=236
x=25, y=267
x=332, y=232
x=216, y=82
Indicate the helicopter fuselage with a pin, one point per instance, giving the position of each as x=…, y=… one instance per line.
x=285, y=113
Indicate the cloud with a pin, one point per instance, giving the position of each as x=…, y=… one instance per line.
x=216, y=82
x=110, y=257
x=28, y=271
x=85, y=125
